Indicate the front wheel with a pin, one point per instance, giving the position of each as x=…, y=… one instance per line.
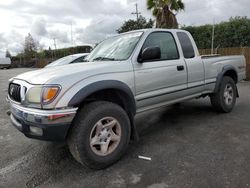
x=100, y=134
x=224, y=100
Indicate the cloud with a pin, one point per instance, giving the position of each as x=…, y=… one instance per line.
x=204, y=13
x=2, y=40
x=60, y=36
x=38, y=27
x=12, y=41
x=95, y=20
x=99, y=29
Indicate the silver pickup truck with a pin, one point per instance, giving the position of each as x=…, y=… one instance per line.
x=92, y=105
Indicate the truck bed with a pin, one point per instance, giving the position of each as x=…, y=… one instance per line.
x=215, y=63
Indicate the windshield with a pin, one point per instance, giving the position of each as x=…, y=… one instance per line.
x=116, y=48
x=62, y=61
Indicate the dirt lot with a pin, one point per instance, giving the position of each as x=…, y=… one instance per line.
x=190, y=146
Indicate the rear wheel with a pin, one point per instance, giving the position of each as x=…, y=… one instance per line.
x=224, y=100
x=100, y=134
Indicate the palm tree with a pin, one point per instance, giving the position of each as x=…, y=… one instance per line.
x=165, y=12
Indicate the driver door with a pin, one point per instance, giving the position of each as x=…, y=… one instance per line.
x=161, y=80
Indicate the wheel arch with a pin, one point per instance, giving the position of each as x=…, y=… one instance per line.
x=118, y=87
x=108, y=90
x=228, y=70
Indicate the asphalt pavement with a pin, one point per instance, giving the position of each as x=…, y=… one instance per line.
x=189, y=144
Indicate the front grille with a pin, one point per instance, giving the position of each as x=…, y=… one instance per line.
x=15, y=92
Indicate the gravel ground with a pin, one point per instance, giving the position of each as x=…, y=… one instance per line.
x=190, y=146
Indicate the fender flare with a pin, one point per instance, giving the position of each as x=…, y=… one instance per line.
x=221, y=74
x=109, y=84
x=102, y=85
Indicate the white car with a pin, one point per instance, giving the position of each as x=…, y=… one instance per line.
x=75, y=58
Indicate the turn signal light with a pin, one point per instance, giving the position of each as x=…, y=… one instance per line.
x=50, y=93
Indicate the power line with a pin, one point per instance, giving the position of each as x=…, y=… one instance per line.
x=136, y=12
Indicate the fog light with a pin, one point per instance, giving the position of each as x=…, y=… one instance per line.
x=36, y=131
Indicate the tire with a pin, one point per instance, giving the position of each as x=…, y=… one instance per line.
x=86, y=129
x=220, y=100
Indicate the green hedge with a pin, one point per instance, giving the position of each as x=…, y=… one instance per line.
x=234, y=33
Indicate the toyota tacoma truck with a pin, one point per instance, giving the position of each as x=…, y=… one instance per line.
x=92, y=105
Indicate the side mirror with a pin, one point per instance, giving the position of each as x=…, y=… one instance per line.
x=150, y=53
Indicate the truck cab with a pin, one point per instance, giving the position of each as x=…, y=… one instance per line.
x=171, y=72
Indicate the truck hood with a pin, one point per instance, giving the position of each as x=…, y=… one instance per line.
x=52, y=74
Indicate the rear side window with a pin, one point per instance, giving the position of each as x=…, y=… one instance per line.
x=186, y=45
x=165, y=41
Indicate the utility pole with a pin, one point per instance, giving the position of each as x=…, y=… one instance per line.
x=212, y=43
x=71, y=33
x=20, y=55
x=55, y=46
x=136, y=12
x=54, y=42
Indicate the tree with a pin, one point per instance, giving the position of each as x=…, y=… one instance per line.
x=130, y=25
x=30, y=47
x=233, y=33
x=165, y=12
x=7, y=54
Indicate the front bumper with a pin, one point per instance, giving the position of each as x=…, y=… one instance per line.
x=50, y=125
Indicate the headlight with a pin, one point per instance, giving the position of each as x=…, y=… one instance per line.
x=42, y=94
x=34, y=94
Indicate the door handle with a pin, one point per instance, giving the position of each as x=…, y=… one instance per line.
x=180, y=67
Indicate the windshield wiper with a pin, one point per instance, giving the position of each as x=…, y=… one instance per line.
x=104, y=59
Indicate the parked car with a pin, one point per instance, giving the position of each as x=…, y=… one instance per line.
x=92, y=105
x=75, y=58
x=5, y=63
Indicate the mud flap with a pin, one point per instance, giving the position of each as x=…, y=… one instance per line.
x=134, y=132
x=237, y=92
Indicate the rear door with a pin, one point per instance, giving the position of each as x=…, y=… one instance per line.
x=195, y=66
x=157, y=81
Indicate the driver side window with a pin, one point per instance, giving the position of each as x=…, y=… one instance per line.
x=165, y=41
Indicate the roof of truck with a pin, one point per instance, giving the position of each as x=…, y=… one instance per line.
x=157, y=29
